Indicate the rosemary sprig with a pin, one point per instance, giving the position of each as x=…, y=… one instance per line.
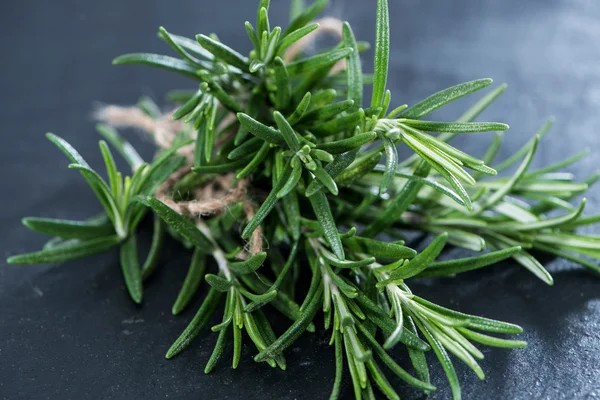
x=282, y=137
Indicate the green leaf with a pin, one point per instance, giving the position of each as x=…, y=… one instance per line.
x=162, y=32
x=432, y=183
x=335, y=126
x=387, y=98
x=454, y=127
x=457, y=266
x=293, y=37
x=448, y=167
x=159, y=61
x=306, y=16
x=468, y=116
x=222, y=52
x=548, y=223
x=499, y=194
x=382, y=53
x=179, y=223
x=272, y=41
x=217, y=351
x=155, y=248
x=326, y=112
x=459, y=238
x=339, y=366
x=355, y=76
x=288, y=133
x=262, y=19
x=296, y=9
x=247, y=148
x=321, y=155
x=282, y=81
x=323, y=212
x=217, y=91
x=358, y=169
x=221, y=168
x=444, y=97
x=191, y=47
x=261, y=131
x=111, y=169
x=191, y=282
x=123, y=147
x=259, y=300
x=68, y=229
x=255, y=336
x=67, y=251
x=491, y=152
x=227, y=314
x=282, y=303
x=237, y=346
x=398, y=204
x=380, y=380
x=253, y=36
x=292, y=211
x=317, y=61
x=131, y=269
x=218, y=283
x=66, y=148
x=341, y=263
x=358, y=381
x=59, y=242
x=378, y=248
x=333, y=169
x=101, y=189
x=390, y=363
x=344, y=145
x=559, y=165
x=250, y=265
x=568, y=256
x=294, y=331
x=434, y=148
x=268, y=336
x=534, y=266
x=391, y=163
x=492, y=341
x=268, y=205
x=472, y=321
x=481, y=104
x=444, y=359
x=326, y=180
x=292, y=182
x=522, y=152
x=300, y=109
x=162, y=167
x=256, y=65
x=256, y=161
x=180, y=96
x=323, y=97
x=421, y=260
x=201, y=318
x=387, y=325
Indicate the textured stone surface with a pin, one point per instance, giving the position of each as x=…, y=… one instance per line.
x=70, y=332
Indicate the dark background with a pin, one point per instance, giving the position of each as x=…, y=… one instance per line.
x=70, y=331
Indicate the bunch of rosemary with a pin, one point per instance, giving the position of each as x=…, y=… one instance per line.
x=274, y=172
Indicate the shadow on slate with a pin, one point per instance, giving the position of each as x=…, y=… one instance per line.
x=70, y=331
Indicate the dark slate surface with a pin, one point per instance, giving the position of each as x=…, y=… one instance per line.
x=70, y=332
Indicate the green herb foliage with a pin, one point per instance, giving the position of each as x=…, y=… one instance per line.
x=326, y=205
